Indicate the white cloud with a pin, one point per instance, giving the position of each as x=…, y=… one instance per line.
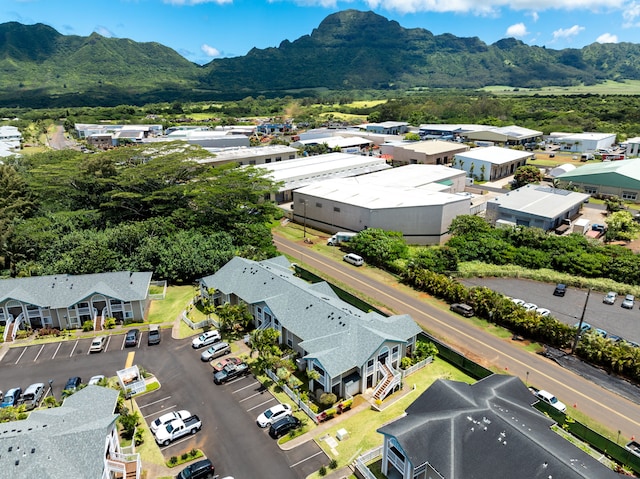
x=567, y=32
x=607, y=38
x=518, y=30
x=104, y=31
x=209, y=50
x=631, y=15
x=534, y=16
x=196, y=2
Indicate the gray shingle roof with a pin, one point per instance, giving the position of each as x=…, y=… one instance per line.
x=488, y=429
x=60, y=443
x=338, y=334
x=62, y=290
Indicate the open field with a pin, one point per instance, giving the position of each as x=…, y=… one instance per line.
x=628, y=87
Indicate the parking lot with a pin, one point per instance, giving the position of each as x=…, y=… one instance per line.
x=230, y=436
x=612, y=318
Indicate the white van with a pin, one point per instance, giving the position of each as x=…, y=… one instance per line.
x=32, y=396
x=353, y=259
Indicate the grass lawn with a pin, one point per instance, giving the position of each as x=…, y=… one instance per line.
x=609, y=87
x=168, y=309
x=362, y=425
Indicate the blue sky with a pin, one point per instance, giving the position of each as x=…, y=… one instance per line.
x=202, y=30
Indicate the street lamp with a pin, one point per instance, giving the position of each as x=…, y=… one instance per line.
x=51, y=386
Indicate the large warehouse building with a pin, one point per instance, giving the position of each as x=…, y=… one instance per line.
x=418, y=200
x=491, y=163
x=609, y=178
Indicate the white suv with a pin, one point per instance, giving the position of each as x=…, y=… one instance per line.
x=205, y=339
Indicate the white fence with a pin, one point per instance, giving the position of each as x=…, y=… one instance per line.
x=160, y=284
x=307, y=410
x=200, y=324
x=416, y=367
x=361, y=462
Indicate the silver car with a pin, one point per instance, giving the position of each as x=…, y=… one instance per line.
x=610, y=298
x=215, y=351
x=629, y=301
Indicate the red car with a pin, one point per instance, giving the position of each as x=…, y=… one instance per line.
x=219, y=366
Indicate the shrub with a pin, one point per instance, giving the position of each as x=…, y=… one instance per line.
x=87, y=326
x=330, y=412
x=138, y=437
x=314, y=407
x=406, y=362
x=193, y=452
x=322, y=471
x=173, y=460
x=184, y=456
x=22, y=334
x=333, y=464
x=327, y=399
x=110, y=323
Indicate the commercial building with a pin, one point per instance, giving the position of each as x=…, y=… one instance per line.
x=300, y=172
x=609, y=178
x=505, y=135
x=10, y=137
x=633, y=147
x=346, y=144
x=418, y=200
x=534, y=205
x=583, y=142
x=432, y=152
x=250, y=155
x=387, y=127
x=491, y=163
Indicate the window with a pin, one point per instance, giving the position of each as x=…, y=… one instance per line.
x=252, y=162
x=591, y=190
x=318, y=369
x=267, y=160
x=629, y=195
x=267, y=318
x=276, y=322
x=370, y=363
x=318, y=205
x=336, y=209
x=395, y=350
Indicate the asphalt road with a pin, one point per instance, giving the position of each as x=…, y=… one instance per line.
x=230, y=436
x=607, y=408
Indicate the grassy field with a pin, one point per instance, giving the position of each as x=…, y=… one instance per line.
x=609, y=87
x=168, y=309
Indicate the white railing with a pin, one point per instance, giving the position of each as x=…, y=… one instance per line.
x=117, y=463
x=7, y=327
x=381, y=388
x=18, y=322
x=361, y=462
x=200, y=324
x=103, y=315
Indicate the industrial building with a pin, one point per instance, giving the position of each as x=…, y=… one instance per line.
x=583, y=142
x=250, y=155
x=491, y=163
x=432, y=152
x=536, y=206
x=418, y=200
x=609, y=178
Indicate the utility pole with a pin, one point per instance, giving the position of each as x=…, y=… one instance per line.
x=579, y=332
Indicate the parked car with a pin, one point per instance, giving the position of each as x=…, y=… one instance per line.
x=585, y=327
x=177, y=429
x=230, y=372
x=353, y=259
x=530, y=306
x=197, y=470
x=215, y=351
x=610, y=297
x=628, y=302
x=167, y=418
x=518, y=302
x=462, y=309
x=154, y=335
x=283, y=426
x=560, y=290
x=206, y=338
x=543, y=311
x=132, y=338
x=72, y=385
x=273, y=414
x=98, y=344
x=219, y=365
x=95, y=380
x=33, y=395
x=549, y=398
x=601, y=332
x=11, y=398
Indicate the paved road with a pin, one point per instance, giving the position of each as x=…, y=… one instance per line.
x=609, y=409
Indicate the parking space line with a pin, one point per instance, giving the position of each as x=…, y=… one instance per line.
x=154, y=402
x=38, y=355
x=241, y=389
x=20, y=357
x=252, y=396
x=177, y=442
x=56, y=351
x=74, y=348
x=261, y=404
x=124, y=338
x=164, y=411
x=306, y=459
x=108, y=342
x=129, y=361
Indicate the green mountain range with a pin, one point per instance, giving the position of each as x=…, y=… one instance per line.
x=349, y=50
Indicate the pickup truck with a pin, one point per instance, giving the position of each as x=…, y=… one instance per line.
x=230, y=371
x=178, y=428
x=546, y=396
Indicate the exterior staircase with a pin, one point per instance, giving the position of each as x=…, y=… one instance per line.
x=97, y=323
x=9, y=333
x=389, y=382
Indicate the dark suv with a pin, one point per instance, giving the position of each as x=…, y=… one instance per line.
x=283, y=426
x=560, y=290
x=197, y=470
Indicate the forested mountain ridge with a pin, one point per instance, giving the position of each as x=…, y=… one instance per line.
x=349, y=50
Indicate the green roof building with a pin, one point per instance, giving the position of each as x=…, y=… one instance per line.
x=619, y=178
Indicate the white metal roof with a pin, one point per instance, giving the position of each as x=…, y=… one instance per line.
x=431, y=147
x=539, y=200
x=337, y=141
x=586, y=136
x=411, y=176
x=494, y=154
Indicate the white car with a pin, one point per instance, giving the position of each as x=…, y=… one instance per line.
x=518, y=302
x=610, y=297
x=95, y=379
x=205, y=339
x=530, y=306
x=98, y=344
x=167, y=418
x=543, y=311
x=272, y=414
